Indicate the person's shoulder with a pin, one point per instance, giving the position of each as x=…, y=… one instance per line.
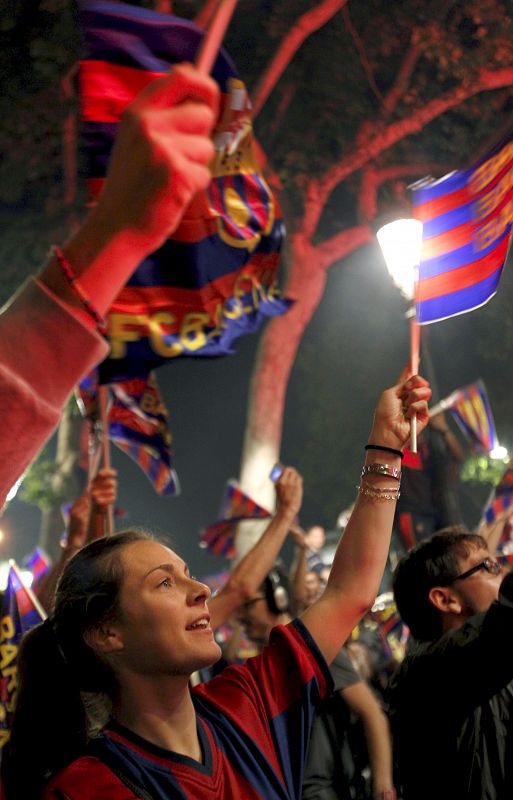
x=86, y=778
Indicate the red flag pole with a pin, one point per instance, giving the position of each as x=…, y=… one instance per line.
x=212, y=41
x=103, y=396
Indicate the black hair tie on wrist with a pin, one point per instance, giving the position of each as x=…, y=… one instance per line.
x=385, y=449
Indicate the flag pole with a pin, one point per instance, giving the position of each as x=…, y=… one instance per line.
x=211, y=43
x=103, y=396
x=414, y=364
x=33, y=599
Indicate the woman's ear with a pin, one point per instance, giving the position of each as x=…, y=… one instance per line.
x=104, y=638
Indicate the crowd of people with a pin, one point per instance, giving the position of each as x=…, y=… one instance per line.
x=107, y=703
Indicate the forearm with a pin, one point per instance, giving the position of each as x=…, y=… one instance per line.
x=39, y=366
x=102, y=257
x=298, y=573
x=361, y=555
x=362, y=552
x=379, y=745
x=250, y=572
x=98, y=523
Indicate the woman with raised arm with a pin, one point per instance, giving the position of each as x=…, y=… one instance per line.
x=48, y=337
x=130, y=622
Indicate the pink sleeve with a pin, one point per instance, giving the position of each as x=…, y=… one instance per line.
x=44, y=351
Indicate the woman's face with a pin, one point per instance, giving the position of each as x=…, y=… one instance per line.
x=163, y=622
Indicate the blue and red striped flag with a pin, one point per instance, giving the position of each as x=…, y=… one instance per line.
x=498, y=512
x=138, y=425
x=219, y=538
x=467, y=218
x=19, y=614
x=505, y=559
x=502, y=500
x=37, y=562
x=215, y=279
x=471, y=409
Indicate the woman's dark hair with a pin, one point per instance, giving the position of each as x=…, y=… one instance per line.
x=435, y=562
x=50, y=725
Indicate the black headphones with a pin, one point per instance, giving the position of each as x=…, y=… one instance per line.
x=276, y=587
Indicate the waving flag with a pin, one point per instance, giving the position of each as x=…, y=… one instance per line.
x=502, y=500
x=219, y=538
x=467, y=218
x=138, y=425
x=20, y=612
x=471, y=409
x=498, y=513
x=505, y=559
x=215, y=278
x=37, y=562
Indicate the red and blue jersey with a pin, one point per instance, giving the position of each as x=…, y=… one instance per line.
x=254, y=724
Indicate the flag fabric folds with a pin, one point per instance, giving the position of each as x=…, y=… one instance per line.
x=138, y=425
x=219, y=538
x=501, y=503
x=19, y=615
x=215, y=278
x=467, y=218
x=471, y=409
x=37, y=562
x=497, y=516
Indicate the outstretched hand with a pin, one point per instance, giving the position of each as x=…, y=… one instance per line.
x=289, y=491
x=104, y=487
x=396, y=407
x=161, y=156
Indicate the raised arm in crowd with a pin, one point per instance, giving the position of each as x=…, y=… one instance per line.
x=158, y=163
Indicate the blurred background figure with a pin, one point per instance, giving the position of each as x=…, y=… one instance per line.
x=87, y=521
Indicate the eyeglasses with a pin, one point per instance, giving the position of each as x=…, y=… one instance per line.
x=488, y=564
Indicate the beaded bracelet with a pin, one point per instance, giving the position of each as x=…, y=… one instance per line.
x=384, y=449
x=381, y=469
x=74, y=284
x=381, y=494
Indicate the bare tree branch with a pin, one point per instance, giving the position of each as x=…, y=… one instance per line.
x=318, y=190
x=362, y=55
x=373, y=178
x=304, y=27
x=341, y=245
x=403, y=77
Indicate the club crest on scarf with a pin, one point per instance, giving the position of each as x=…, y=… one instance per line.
x=215, y=279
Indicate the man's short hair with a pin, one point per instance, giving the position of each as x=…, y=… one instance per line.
x=434, y=562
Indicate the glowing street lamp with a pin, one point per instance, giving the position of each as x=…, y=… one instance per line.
x=401, y=242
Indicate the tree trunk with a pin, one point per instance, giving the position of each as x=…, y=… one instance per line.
x=276, y=354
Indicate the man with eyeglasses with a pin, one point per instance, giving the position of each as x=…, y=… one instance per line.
x=451, y=701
